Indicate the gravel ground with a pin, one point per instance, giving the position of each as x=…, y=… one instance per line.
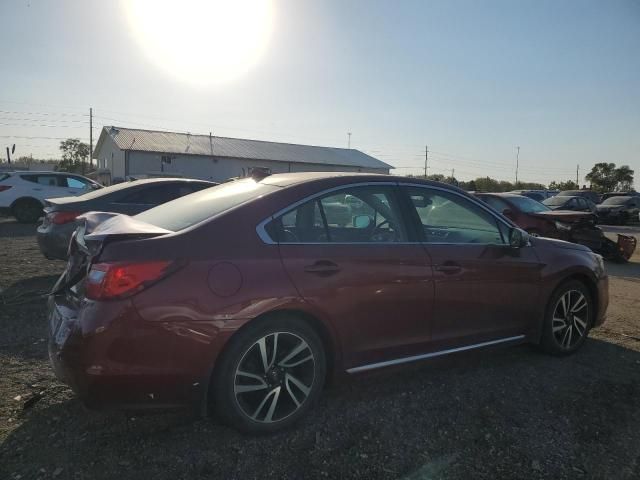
x=505, y=413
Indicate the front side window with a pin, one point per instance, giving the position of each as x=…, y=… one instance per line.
x=73, y=182
x=354, y=215
x=450, y=218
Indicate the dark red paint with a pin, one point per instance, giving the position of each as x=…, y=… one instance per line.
x=158, y=347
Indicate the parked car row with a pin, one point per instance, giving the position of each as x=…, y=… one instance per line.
x=563, y=218
x=129, y=198
x=245, y=298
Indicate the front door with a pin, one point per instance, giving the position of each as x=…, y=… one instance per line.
x=484, y=288
x=348, y=254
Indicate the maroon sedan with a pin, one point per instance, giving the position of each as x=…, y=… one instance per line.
x=247, y=296
x=534, y=217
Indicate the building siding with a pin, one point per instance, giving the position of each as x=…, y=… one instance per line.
x=218, y=169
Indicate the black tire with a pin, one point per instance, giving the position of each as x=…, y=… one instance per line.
x=244, y=352
x=559, y=340
x=27, y=210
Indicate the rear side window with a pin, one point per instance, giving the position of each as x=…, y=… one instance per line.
x=46, y=180
x=4, y=176
x=368, y=214
x=192, y=209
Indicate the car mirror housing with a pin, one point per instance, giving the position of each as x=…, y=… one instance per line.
x=518, y=238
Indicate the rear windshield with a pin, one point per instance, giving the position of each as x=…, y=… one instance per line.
x=191, y=209
x=106, y=190
x=528, y=205
x=3, y=176
x=616, y=200
x=557, y=200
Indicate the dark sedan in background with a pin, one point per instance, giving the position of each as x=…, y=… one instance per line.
x=574, y=203
x=129, y=198
x=619, y=210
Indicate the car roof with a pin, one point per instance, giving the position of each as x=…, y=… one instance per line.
x=501, y=194
x=289, y=179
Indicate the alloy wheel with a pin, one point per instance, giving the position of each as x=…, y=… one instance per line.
x=274, y=377
x=570, y=317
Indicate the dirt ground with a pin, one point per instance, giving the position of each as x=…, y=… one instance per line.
x=504, y=413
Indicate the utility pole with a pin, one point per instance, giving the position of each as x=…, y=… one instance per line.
x=349, y=140
x=90, y=136
x=453, y=173
x=517, y=165
x=426, y=160
x=578, y=175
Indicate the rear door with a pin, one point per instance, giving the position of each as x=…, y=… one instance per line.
x=484, y=289
x=351, y=258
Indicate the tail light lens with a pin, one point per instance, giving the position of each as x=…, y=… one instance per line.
x=4, y=187
x=107, y=281
x=60, y=218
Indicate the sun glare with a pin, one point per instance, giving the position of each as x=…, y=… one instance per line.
x=203, y=42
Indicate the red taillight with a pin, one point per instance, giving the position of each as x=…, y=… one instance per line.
x=116, y=280
x=60, y=218
x=4, y=187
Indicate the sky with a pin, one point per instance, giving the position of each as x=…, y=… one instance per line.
x=471, y=79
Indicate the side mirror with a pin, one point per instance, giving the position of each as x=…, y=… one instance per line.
x=362, y=221
x=518, y=238
x=507, y=213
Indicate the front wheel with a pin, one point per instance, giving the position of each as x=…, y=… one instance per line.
x=270, y=375
x=568, y=319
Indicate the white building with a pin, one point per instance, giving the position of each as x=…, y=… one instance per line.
x=124, y=152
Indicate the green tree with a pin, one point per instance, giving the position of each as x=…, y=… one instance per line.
x=568, y=185
x=74, y=154
x=605, y=177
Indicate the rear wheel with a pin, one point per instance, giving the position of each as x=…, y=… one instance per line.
x=27, y=210
x=270, y=375
x=568, y=319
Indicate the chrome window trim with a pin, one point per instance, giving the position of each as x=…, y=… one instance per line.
x=414, y=358
x=264, y=236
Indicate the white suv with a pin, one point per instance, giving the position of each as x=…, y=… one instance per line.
x=22, y=194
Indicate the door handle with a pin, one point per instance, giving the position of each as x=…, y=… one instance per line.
x=448, y=268
x=322, y=267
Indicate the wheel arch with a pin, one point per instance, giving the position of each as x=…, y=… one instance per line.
x=582, y=277
x=333, y=352
x=25, y=199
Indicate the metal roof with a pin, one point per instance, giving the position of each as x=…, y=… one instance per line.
x=187, y=144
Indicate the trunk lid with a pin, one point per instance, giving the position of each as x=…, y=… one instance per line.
x=94, y=231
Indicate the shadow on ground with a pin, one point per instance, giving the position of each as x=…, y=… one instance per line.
x=509, y=413
x=12, y=229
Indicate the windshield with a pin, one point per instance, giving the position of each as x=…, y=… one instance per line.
x=616, y=200
x=528, y=205
x=556, y=201
x=191, y=209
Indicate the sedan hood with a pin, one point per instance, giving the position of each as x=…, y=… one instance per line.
x=607, y=208
x=552, y=242
x=564, y=215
